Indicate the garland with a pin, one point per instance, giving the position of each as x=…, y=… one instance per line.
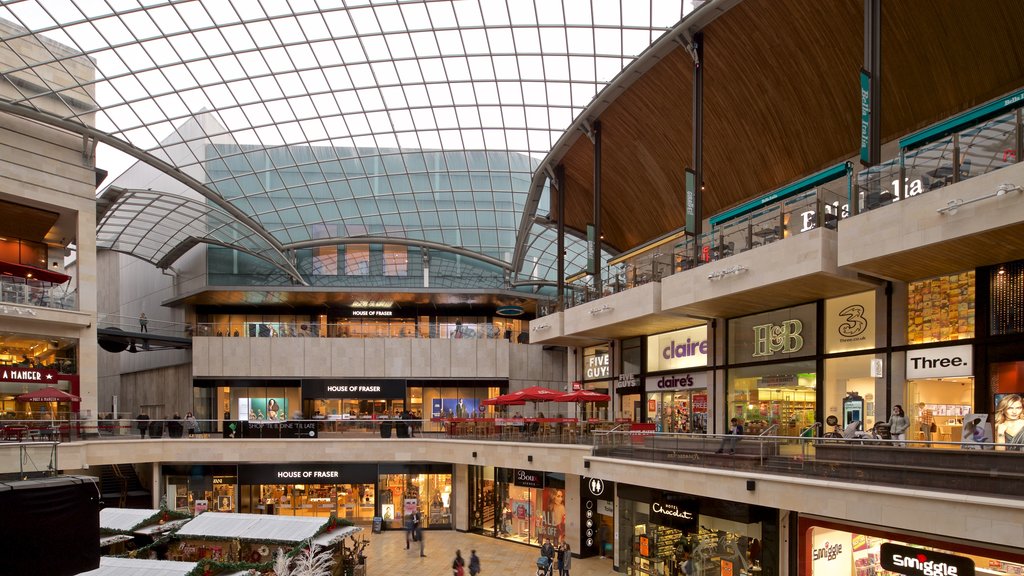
x=207, y=567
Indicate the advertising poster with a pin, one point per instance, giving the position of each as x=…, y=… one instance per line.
x=455, y=408
x=976, y=432
x=270, y=409
x=831, y=552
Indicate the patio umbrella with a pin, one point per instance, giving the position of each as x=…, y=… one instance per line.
x=580, y=396
x=47, y=395
x=534, y=394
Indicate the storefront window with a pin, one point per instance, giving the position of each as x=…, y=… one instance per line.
x=940, y=393
x=429, y=492
x=848, y=383
x=941, y=309
x=781, y=395
x=354, y=502
x=667, y=534
x=836, y=551
x=193, y=490
x=520, y=505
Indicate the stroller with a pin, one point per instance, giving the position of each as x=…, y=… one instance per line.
x=543, y=566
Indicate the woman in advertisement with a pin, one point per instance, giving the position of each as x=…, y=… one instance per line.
x=1009, y=426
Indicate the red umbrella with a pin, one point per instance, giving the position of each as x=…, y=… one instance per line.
x=583, y=396
x=502, y=401
x=47, y=395
x=533, y=394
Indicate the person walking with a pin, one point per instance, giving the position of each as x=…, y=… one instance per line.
x=735, y=433
x=898, y=425
x=564, y=559
x=417, y=526
x=408, y=530
x=458, y=564
x=142, y=422
x=143, y=323
x=548, y=551
x=474, y=563
x=192, y=425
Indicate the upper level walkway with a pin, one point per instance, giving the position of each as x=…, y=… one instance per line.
x=861, y=480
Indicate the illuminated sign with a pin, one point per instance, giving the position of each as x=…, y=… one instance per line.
x=677, y=350
x=772, y=338
x=598, y=366
x=920, y=562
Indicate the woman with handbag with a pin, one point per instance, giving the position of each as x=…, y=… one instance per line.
x=458, y=565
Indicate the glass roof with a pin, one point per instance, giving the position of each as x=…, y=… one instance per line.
x=419, y=119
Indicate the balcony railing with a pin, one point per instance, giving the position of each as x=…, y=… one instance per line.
x=823, y=206
x=975, y=468
x=21, y=294
x=310, y=329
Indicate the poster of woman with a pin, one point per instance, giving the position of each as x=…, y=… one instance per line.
x=273, y=409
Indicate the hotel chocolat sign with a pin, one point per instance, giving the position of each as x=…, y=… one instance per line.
x=920, y=562
x=681, y=514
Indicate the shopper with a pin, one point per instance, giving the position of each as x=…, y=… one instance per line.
x=192, y=425
x=408, y=530
x=143, y=323
x=548, y=551
x=734, y=434
x=142, y=422
x=417, y=527
x=564, y=559
x=174, y=427
x=458, y=564
x=474, y=563
x=898, y=425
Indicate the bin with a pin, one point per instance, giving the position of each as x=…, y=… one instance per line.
x=385, y=429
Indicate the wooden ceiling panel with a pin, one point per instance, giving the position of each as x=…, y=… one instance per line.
x=781, y=91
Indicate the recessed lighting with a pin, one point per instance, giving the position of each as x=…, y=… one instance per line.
x=1002, y=270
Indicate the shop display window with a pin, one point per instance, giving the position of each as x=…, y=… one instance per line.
x=941, y=309
x=835, y=551
x=781, y=395
x=430, y=494
x=938, y=407
x=850, y=378
x=519, y=513
x=679, y=412
x=193, y=494
x=716, y=546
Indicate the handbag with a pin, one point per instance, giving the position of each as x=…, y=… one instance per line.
x=933, y=428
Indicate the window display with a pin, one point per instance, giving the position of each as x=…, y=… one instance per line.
x=780, y=395
x=941, y=309
x=430, y=494
x=530, y=505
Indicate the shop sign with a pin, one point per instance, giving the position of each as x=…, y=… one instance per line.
x=947, y=362
x=598, y=366
x=626, y=381
x=306, y=473
x=831, y=552
x=33, y=376
x=225, y=480
x=850, y=323
x=671, y=382
x=356, y=389
x=680, y=514
x=920, y=562
x=679, y=349
x=528, y=479
x=595, y=501
x=774, y=335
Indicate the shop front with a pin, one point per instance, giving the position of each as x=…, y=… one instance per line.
x=678, y=402
x=198, y=488
x=940, y=395
x=597, y=373
x=308, y=489
x=525, y=506
x=406, y=488
x=774, y=388
x=671, y=534
x=830, y=548
x=353, y=399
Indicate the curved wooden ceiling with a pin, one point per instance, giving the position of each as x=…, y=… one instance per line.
x=782, y=100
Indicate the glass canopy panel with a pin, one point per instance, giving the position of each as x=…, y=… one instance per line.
x=322, y=115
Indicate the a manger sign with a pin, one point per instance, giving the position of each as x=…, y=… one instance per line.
x=921, y=562
x=676, y=350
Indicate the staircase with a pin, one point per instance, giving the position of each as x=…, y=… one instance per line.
x=120, y=484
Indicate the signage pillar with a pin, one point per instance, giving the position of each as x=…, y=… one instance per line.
x=871, y=75
x=698, y=141
x=597, y=207
x=560, y=191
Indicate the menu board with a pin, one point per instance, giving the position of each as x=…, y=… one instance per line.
x=941, y=309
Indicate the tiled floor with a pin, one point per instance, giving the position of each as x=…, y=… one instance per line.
x=387, y=556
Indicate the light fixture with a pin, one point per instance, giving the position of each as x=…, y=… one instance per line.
x=719, y=274
x=1003, y=189
x=1002, y=270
